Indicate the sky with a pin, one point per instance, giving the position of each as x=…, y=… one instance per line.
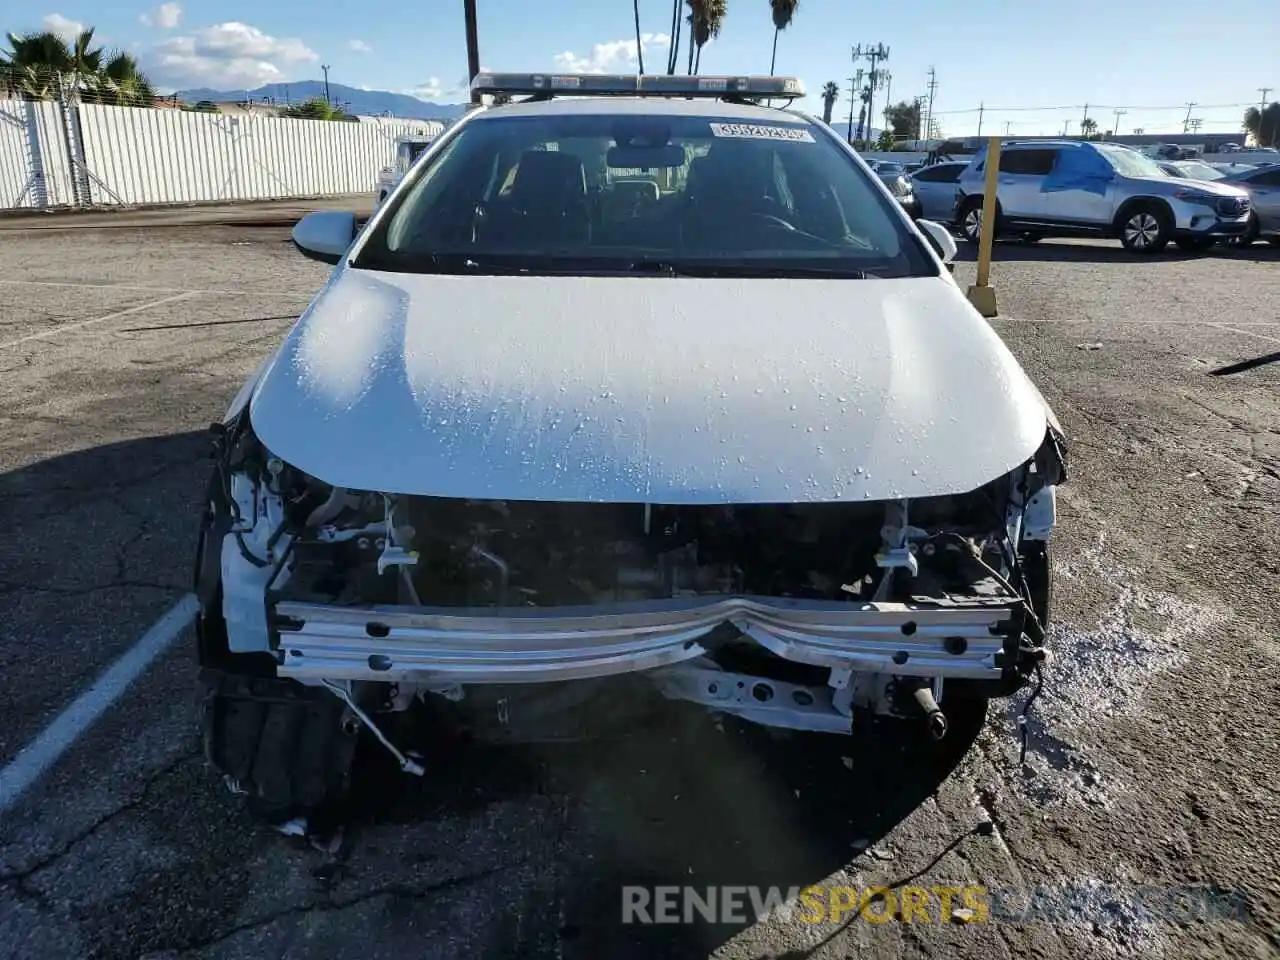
x=1032, y=66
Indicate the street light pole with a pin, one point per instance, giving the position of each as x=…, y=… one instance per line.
x=473, y=45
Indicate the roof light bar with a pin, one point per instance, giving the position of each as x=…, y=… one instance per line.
x=631, y=85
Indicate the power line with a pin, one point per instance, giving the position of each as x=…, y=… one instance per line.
x=1095, y=106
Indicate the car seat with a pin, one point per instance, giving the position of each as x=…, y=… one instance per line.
x=547, y=203
x=726, y=191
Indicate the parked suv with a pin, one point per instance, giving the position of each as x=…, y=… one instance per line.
x=1072, y=188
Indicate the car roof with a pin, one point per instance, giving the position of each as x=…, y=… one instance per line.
x=668, y=106
x=1040, y=144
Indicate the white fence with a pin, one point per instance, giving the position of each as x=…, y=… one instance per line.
x=55, y=155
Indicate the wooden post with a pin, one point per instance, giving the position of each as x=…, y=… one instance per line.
x=982, y=295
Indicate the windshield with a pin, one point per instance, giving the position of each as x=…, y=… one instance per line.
x=586, y=193
x=888, y=167
x=1129, y=163
x=1199, y=171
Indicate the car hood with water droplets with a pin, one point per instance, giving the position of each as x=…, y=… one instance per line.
x=647, y=389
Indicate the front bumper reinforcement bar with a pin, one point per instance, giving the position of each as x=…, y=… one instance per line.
x=542, y=644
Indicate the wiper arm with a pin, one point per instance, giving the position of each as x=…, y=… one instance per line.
x=666, y=268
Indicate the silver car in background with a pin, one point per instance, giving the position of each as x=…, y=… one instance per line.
x=1191, y=170
x=1263, y=186
x=935, y=188
x=894, y=176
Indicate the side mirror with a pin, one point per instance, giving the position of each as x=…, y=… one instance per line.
x=939, y=237
x=325, y=235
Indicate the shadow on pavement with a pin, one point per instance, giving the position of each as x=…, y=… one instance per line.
x=679, y=801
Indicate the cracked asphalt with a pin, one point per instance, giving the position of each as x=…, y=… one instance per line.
x=1152, y=748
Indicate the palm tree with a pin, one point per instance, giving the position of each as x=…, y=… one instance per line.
x=635, y=8
x=829, y=94
x=784, y=12
x=35, y=62
x=38, y=65
x=1088, y=127
x=122, y=83
x=706, y=18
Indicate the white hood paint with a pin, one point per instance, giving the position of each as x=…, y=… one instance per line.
x=647, y=389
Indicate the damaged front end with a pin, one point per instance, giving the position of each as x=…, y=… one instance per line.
x=794, y=615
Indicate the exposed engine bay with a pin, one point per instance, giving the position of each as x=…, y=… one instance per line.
x=791, y=615
x=503, y=554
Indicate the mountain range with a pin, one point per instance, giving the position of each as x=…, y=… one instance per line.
x=366, y=103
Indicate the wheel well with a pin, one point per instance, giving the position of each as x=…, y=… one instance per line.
x=1157, y=206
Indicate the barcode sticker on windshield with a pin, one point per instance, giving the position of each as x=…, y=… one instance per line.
x=755, y=131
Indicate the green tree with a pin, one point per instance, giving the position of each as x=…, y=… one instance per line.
x=1264, y=125
x=38, y=66
x=123, y=84
x=1088, y=128
x=783, y=12
x=317, y=108
x=830, y=92
x=903, y=119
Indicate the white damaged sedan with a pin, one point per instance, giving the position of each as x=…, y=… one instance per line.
x=644, y=390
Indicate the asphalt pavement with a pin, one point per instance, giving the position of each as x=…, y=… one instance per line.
x=1152, y=748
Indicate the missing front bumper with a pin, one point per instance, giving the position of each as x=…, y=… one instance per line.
x=539, y=645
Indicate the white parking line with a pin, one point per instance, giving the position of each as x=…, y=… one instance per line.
x=54, y=331
x=42, y=752
x=1248, y=333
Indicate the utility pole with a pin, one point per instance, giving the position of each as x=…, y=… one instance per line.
x=876, y=55
x=933, y=86
x=855, y=82
x=1262, y=110
x=1186, y=123
x=1066, y=128
x=1115, y=131
x=982, y=108
x=325, y=68
x=1084, y=120
x=473, y=45
x=918, y=103
x=1007, y=125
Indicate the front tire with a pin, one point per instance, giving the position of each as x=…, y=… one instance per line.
x=969, y=221
x=285, y=747
x=1251, y=231
x=1145, y=229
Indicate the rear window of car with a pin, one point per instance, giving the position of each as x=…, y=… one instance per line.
x=586, y=191
x=943, y=173
x=1036, y=163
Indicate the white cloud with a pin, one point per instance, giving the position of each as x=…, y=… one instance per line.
x=165, y=16
x=359, y=46
x=616, y=56
x=430, y=89
x=67, y=29
x=229, y=55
